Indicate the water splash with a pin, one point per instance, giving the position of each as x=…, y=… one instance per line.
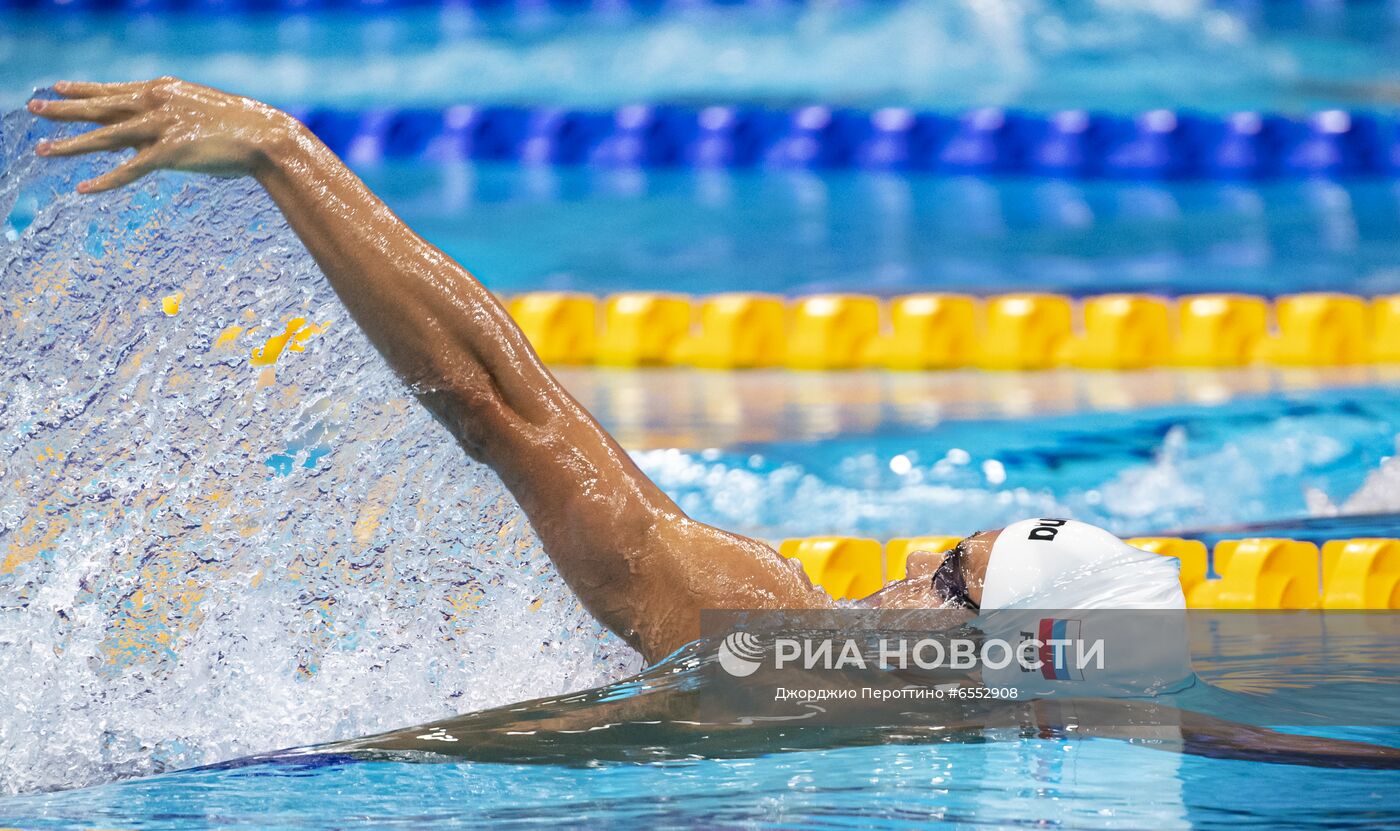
x=1148, y=470
x=1380, y=493
x=201, y=557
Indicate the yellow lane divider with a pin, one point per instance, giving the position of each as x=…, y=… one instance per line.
x=1385, y=329
x=897, y=552
x=846, y=567
x=1028, y=331
x=1258, y=573
x=1361, y=574
x=562, y=326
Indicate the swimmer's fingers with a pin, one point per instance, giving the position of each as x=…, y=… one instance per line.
x=89, y=89
x=115, y=137
x=107, y=109
x=124, y=174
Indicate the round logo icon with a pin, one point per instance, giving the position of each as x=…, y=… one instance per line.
x=740, y=653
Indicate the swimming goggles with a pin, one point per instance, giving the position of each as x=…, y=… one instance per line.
x=949, y=581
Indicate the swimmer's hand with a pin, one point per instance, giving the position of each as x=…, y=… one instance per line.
x=172, y=124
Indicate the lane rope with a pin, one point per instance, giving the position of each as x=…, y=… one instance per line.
x=1071, y=144
x=1254, y=573
x=932, y=331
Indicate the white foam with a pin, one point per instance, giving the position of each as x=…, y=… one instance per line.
x=1380, y=493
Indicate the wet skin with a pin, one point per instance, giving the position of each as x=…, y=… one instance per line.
x=637, y=562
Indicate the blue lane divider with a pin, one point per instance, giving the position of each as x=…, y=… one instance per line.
x=297, y=6
x=233, y=7
x=1072, y=144
x=507, y=7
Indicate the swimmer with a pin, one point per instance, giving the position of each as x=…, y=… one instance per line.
x=638, y=564
x=636, y=561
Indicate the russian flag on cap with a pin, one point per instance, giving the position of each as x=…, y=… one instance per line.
x=1055, y=636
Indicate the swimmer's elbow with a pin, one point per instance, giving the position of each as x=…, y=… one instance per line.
x=475, y=396
x=468, y=403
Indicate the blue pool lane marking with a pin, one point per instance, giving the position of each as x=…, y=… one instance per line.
x=1070, y=144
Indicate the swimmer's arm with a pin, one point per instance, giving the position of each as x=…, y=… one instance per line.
x=638, y=563
x=1205, y=735
x=1160, y=726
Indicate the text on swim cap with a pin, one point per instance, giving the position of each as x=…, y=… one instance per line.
x=1046, y=530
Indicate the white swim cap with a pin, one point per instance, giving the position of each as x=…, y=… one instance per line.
x=1056, y=581
x=1065, y=564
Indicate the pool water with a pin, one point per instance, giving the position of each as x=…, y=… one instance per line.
x=794, y=232
x=1097, y=54
x=205, y=561
x=1045, y=775
x=1141, y=472
x=1013, y=781
x=788, y=232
